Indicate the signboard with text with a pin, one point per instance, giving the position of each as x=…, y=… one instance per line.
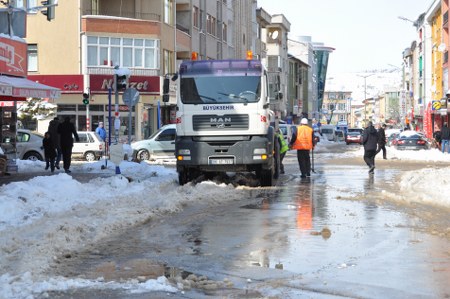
x=13, y=57
x=143, y=84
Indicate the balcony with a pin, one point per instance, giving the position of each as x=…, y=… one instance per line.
x=123, y=14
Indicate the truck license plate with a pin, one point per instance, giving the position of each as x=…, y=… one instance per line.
x=221, y=161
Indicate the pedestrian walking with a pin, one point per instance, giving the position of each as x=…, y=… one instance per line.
x=445, y=138
x=283, y=149
x=382, y=141
x=54, y=135
x=49, y=151
x=370, y=142
x=437, y=139
x=101, y=131
x=66, y=132
x=303, y=141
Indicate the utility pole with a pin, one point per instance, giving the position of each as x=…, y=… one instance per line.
x=365, y=94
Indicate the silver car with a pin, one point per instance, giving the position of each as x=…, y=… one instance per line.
x=29, y=146
x=160, y=145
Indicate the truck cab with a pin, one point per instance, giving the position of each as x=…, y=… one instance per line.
x=223, y=120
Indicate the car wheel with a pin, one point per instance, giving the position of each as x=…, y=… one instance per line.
x=143, y=155
x=33, y=156
x=90, y=156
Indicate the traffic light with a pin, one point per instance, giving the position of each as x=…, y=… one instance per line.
x=50, y=10
x=86, y=98
x=121, y=82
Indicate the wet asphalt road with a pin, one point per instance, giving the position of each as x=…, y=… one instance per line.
x=334, y=235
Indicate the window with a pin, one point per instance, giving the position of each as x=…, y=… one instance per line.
x=168, y=12
x=211, y=25
x=32, y=3
x=195, y=16
x=168, y=58
x=32, y=58
x=126, y=52
x=224, y=32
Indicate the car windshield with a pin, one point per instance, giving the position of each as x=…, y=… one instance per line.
x=409, y=134
x=220, y=89
x=353, y=133
x=327, y=131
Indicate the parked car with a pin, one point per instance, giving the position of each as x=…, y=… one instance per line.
x=358, y=130
x=160, y=145
x=411, y=140
x=327, y=132
x=339, y=135
x=90, y=147
x=390, y=135
x=29, y=145
x=391, y=140
x=353, y=137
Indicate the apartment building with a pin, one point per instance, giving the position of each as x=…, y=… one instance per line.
x=336, y=107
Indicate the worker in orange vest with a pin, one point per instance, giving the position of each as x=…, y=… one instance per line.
x=303, y=141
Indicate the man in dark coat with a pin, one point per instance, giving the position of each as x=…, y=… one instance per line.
x=370, y=142
x=66, y=132
x=54, y=135
x=382, y=141
x=445, y=138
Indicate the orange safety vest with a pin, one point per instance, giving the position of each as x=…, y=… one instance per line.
x=304, y=138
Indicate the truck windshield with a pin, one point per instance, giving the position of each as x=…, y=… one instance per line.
x=220, y=89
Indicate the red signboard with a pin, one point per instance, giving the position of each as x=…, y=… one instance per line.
x=66, y=83
x=144, y=84
x=13, y=57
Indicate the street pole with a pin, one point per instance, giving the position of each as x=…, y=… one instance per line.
x=116, y=109
x=365, y=95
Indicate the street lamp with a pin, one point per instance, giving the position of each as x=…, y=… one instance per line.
x=365, y=94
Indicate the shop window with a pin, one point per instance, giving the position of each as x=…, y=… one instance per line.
x=65, y=107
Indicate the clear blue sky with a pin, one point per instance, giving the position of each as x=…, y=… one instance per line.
x=367, y=34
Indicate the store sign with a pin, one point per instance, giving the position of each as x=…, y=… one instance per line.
x=143, y=84
x=13, y=57
x=6, y=103
x=66, y=83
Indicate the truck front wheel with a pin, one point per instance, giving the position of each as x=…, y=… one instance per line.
x=266, y=177
x=184, y=177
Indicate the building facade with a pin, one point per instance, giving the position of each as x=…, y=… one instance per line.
x=147, y=38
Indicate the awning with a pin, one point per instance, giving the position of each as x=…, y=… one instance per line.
x=24, y=88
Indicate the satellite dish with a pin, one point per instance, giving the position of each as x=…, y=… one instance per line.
x=274, y=34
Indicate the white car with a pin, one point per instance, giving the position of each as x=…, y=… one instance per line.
x=29, y=146
x=160, y=145
x=90, y=147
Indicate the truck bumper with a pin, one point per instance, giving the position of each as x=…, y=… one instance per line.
x=224, y=153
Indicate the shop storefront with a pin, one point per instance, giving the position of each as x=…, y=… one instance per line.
x=147, y=115
x=14, y=88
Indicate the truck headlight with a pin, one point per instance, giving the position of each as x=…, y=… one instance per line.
x=259, y=151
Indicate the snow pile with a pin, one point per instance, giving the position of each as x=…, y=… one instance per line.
x=48, y=216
